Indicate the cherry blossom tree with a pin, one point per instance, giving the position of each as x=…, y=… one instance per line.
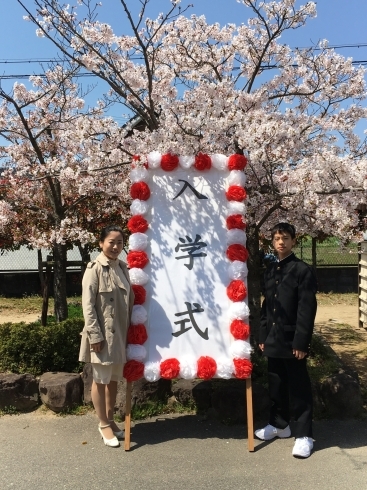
x=49, y=197
x=199, y=87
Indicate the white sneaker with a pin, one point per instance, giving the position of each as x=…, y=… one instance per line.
x=302, y=447
x=269, y=432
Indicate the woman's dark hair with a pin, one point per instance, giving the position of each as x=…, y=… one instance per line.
x=107, y=230
x=283, y=228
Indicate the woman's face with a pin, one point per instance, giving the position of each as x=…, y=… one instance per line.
x=112, y=245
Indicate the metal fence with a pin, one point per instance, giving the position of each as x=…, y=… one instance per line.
x=328, y=253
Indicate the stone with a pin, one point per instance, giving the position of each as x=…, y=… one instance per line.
x=19, y=391
x=60, y=391
x=202, y=394
x=341, y=395
x=182, y=390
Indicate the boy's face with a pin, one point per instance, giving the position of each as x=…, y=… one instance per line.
x=283, y=244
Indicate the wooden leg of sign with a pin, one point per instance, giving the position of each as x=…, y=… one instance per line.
x=250, y=416
x=127, y=416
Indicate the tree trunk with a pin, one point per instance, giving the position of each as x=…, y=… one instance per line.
x=254, y=281
x=85, y=256
x=40, y=269
x=61, y=306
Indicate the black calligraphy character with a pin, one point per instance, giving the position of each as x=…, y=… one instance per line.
x=197, y=194
x=190, y=312
x=191, y=248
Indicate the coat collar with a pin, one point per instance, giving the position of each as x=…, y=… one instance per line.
x=103, y=260
x=289, y=258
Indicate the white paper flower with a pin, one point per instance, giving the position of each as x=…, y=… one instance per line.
x=235, y=207
x=236, y=177
x=152, y=371
x=139, y=174
x=188, y=367
x=139, y=207
x=236, y=236
x=240, y=349
x=138, y=315
x=220, y=162
x=154, y=159
x=136, y=352
x=237, y=270
x=238, y=311
x=186, y=161
x=138, y=276
x=225, y=368
x=138, y=241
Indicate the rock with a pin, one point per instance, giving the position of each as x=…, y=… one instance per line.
x=202, y=394
x=19, y=391
x=61, y=390
x=341, y=395
x=87, y=378
x=182, y=390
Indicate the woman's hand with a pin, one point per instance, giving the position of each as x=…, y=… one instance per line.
x=96, y=347
x=299, y=354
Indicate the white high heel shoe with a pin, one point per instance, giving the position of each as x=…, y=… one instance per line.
x=120, y=434
x=108, y=442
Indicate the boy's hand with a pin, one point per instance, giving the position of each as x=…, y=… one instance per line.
x=261, y=347
x=298, y=354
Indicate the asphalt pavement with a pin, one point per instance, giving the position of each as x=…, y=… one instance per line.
x=175, y=452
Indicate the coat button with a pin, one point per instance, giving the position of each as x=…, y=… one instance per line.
x=111, y=299
x=275, y=295
x=276, y=282
x=273, y=324
x=278, y=268
x=112, y=331
x=274, y=310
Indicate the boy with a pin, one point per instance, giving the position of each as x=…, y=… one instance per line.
x=287, y=320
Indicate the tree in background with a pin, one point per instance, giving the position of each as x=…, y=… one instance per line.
x=207, y=88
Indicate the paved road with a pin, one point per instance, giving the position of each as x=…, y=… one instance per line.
x=174, y=453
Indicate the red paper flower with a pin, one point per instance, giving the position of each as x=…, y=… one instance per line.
x=236, y=290
x=137, y=224
x=243, y=368
x=202, y=161
x=139, y=293
x=137, y=258
x=137, y=334
x=237, y=252
x=236, y=221
x=169, y=162
x=240, y=330
x=207, y=367
x=140, y=190
x=170, y=368
x=236, y=193
x=133, y=370
x=237, y=162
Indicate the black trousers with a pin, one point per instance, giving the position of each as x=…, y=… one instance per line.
x=291, y=395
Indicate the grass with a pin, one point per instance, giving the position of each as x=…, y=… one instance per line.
x=33, y=304
x=152, y=408
x=10, y=410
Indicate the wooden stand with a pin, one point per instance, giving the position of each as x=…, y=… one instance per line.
x=250, y=416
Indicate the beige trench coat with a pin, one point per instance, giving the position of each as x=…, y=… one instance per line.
x=99, y=305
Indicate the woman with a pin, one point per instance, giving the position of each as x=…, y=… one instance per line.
x=107, y=303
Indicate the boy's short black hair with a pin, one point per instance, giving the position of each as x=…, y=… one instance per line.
x=284, y=228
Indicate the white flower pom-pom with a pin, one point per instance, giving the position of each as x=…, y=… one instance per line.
x=188, y=368
x=236, y=236
x=136, y=352
x=139, y=207
x=220, y=162
x=186, y=161
x=154, y=159
x=236, y=177
x=235, y=207
x=240, y=349
x=238, y=311
x=152, y=371
x=138, y=315
x=139, y=174
x=138, y=276
x=237, y=270
x=138, y=241
x=225, y=368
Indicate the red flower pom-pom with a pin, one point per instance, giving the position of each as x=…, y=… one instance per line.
x=236, y=221
x=237, y=162
x=140, y=190
x=170, y=368
x=240, y=330
x=237, y=252
x=137, y=258
x=242, y=368
x=139, y=293
x=236, y=290
x=169, y=162
x=137, y=334
x=137, y=224
x=202, y=161
x=133, y=370
x=207, y=367
x=236, y=193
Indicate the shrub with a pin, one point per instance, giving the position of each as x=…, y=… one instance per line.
x=31, y=348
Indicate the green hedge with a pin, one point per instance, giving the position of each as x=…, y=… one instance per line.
x=31, y=348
